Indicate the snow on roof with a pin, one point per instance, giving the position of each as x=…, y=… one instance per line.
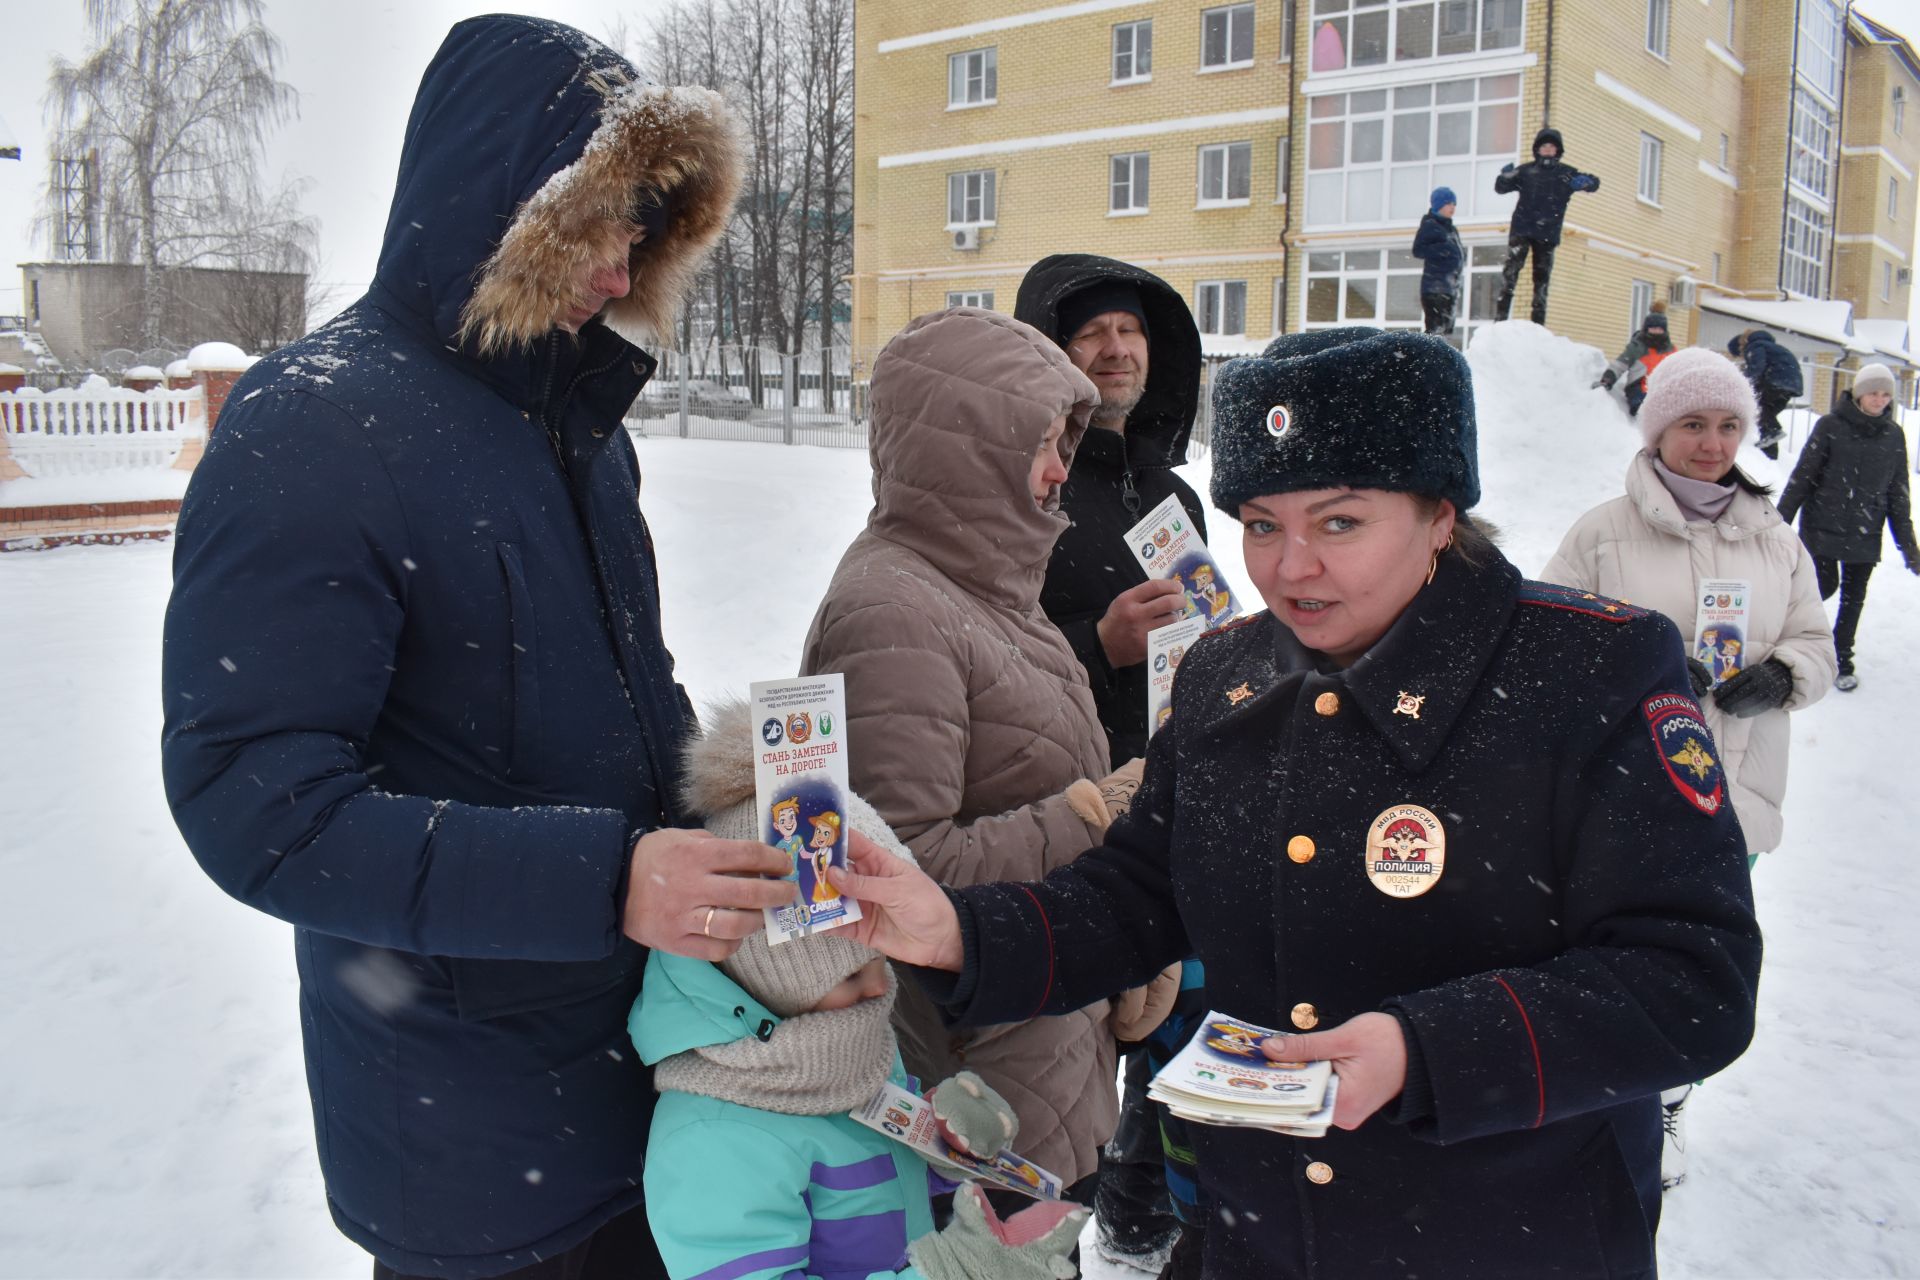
x=179, y=369
x=218, y=355
x=1230, y=345
x=1830, y=322
x=9, y=147
x=1888, y=337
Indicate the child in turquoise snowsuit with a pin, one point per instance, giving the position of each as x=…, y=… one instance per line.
x=755, y=1171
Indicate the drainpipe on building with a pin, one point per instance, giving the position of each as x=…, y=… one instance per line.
x=1286, y=219
x=1546, y=79
x=1839, y=141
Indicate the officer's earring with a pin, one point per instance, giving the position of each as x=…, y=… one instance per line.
x=1433, y=565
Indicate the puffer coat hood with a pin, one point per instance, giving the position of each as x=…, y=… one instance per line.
x=961, y=401
x=1545, y=136
x=1639, y=547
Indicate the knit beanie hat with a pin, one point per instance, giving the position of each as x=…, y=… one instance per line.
x=1083, y=305
x=1441, y=198
x=1872, y=378
x=1655, y=320
x=1695, y=380
x=1354, y=406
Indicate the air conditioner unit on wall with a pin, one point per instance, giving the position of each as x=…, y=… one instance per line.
x=966, y=238
x=1680, y=293
x=1903, y=275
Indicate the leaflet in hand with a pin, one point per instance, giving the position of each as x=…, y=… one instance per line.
x=908, y=1118
x=1221, y=1077
x=1165, y=647
x=1167, y=544
x=1722, y=625
x=800, y=782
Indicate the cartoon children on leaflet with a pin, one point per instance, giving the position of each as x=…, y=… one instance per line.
x=786, y=820
x=826, y=834
x=1206, y=597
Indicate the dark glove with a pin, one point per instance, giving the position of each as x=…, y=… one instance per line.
x=1583, y=182
x=1507, y=167
x=1608, y=378
x=1756, y=689
x=1699, y=677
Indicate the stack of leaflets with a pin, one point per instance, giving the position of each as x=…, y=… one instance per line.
x=1168, y=545
x=800, y=782
x=1222, y=1078
x=908, y=1118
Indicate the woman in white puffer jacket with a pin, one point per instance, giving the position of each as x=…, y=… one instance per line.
x=1689, y=514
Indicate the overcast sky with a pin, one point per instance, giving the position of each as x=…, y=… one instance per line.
x=355, y=64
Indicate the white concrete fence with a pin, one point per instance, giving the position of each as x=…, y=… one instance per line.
x=96, y=428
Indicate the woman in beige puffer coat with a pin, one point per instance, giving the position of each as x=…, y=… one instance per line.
x=972, y=728
x=1689, y=514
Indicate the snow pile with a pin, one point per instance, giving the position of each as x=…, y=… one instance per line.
x=220, y=356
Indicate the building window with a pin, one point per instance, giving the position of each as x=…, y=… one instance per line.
x=1810, y=157
x=1716, y=267
x=973, y=79
x=1639, y=302
x=1283, y=165
x=1899, y=109
x=1133, y=52
x=1374, y=156
x=1821, y=45
x=1732, y=22
x=1382, y=288
x=1372, y=33
x=1803, y=258
x=1221, y=306
x=1226, y=37
x=1893, y=198
x=970, y=200
x=1725, y=152
x=982, y=298
x=1650, y=149
x=1226, y=172
x=1657, y=21
x=1127, y=183
x=1289, y=18
x=1886, y=282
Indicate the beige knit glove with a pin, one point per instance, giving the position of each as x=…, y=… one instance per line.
x=1139, y=1011
x=1099, y=803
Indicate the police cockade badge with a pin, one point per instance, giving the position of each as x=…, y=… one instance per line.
x=1406, y=851
x=1408, y=704
x=1278, y=421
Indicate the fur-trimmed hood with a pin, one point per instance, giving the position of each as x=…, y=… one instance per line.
x=529, y=149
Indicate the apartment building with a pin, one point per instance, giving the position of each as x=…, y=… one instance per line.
x=1271, y=158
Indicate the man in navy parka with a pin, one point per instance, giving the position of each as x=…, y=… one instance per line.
x=417, y=699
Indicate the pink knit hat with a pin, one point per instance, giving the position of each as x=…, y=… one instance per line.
x=1695, y=380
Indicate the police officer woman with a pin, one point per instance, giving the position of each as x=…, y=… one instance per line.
x=1468, y=834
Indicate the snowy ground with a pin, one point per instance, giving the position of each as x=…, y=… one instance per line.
x=154, y=1117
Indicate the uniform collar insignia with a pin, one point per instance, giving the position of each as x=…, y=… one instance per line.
x=1408, y=704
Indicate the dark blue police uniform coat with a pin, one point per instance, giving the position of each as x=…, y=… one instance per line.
x=1587, y=937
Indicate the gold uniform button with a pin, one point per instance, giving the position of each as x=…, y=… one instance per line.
x=1300, y=849
x=1320, y=1173
x=1306, y=1017
x=1327, y=704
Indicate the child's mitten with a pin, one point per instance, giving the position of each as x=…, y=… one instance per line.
x=1033, y=1244
x=972, y=1116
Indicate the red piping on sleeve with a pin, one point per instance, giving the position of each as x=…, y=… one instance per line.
x=1046, y=925
x=1539, y=1072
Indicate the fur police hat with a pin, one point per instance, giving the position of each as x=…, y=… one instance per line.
x=1353, y=407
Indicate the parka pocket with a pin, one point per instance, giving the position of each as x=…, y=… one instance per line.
x=523, y=709
x=485, y=989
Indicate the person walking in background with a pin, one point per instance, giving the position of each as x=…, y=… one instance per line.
x=1437, y=245
x=1131, y=332
x=1774, y=373
x=1850, y=481
x=974, y=733
x=1546, y=183
x=1639, y=358
x=1690, y=514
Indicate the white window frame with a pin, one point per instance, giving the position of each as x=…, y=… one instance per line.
x=1487, y=107
x=1716, y=266
x=1821, y=46
x=975, y=187
x=1212, y=307
x=1283, y=168
x=1893, y=199
x=1390, y=280
x=1732, y=25
x=1899, y=110
x=1134, y=32
x=1472, y=38
x=1652, y=152
x=1659, y=24
x=1639, y=302
x=1138, y=183
x=973, y=78
x=1726, y=152
x=1886, y=282
x=1289, y=19
x=982, y=298
x=1235, y=17
x=1810, y=144
x=1227, y=152
x=1804, y=250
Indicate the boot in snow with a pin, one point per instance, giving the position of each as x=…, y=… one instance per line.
x=1673, y=1147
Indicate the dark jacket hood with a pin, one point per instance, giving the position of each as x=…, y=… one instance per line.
x=527, y=147
x=1158, y=427
x=1545, y=136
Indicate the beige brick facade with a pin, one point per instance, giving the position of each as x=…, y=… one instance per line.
x=1715, y=97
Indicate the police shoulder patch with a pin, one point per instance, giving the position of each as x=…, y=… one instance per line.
x=1551, y=596
x=1687, y=750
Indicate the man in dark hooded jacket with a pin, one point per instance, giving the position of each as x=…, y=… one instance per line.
x=1545, y=184
x=1775, y=375
x=417, y=699
x=1132, y=333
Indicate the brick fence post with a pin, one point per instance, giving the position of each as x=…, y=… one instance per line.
x=12, y=378
x=213, y=367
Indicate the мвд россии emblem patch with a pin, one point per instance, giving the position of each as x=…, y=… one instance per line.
x=1686, y=750
x=1406, y=851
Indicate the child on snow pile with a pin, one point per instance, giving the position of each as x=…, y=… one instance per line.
x=1774, y=373
x=1545, y=185
x=1851, y=480
x=1641, y=356
x=755, y=1171
x=1437, y=245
